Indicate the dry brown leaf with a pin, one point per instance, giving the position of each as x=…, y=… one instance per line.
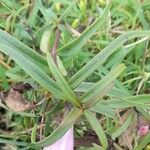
x=16, y=102
x=127, y=138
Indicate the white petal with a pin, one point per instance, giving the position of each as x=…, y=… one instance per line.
x=65, y=143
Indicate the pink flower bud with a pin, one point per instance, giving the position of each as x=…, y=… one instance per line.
x=65, y=143
x=143, y=130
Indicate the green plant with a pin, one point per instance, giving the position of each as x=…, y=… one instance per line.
x=84, y=96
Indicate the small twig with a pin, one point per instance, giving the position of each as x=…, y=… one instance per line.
x=117, y=146
x=137, y=42
x=42, y=116
x=109, y=20
x=75, y=32
x=4, y=64
x=145, y=54
x=56, y=43
x=140, y=85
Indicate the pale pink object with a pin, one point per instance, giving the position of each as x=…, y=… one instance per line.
x=143, y=130
x=65, y=143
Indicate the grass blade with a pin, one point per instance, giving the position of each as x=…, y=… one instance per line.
x=10, y=41
x=132, y=101
x=97, y=128
x=13, y=142
x=34, y=71
x=124, y=126
x=55, y=135
x=33, y=134
x=102, y=56
x=104, y=110
x=68, y=9
x=62, y=83
x=115, y=92
x=66, y=124
x=145, y=140
x=48, y=14
x=94, y=100
x=77, y=44
x=103, y=83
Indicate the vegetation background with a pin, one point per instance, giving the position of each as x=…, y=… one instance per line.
x=89, y=59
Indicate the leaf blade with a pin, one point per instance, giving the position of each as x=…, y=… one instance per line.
x=61, y=130
x=34, y=71
x=68, y=92
x=97, y=128
x=77, y=44
x=102, y=56
x=104, y=82
x=7, y=39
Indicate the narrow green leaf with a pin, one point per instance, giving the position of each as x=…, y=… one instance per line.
x=104, y=110
x=124, y=126
x=118, y=102
x=103, y=83
x=96, y=146
x=47, y=13
x=77, y=44
x=115, y=92
x=66, y=12
x=102, y=56
x=66, y=124
x=118, y=57
x=122, y=90
x=144, y=112
x=32, y=55
x=144, y=141
x=33, y=15
x=47, y=129
x=13, y=142
x=94, y=100
x=97, y=128
x=4, y=84
x=61, y=66
x=45, y=41
x=59, y=106
x=33, y=133
x=63, y=85
x=34, y=71
x=10, y=5
x=10, y=41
